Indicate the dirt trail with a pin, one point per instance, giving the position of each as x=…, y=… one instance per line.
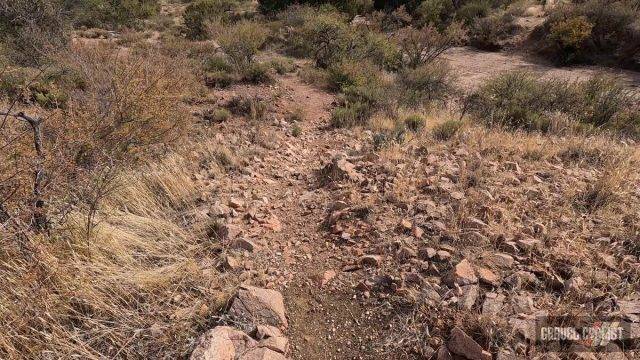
x=281, y=183
x=473, y=67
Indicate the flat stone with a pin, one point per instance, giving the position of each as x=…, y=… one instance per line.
x=488, y=277
x=262, y=353
x=259, y=306
x=222, y=343
x=493, y=304
x=462, y=274
x=462, y=344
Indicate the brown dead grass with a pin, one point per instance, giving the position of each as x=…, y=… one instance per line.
x=143, y=286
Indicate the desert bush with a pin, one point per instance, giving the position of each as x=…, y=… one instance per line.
x=110, y=13
x=199, y=13
x=426, y=44
x=473, y=10
x=258, y=73
x=352, y=7
x=522, y=100
x=350, y=114
x=128, y=102
x=220, y=79
x=324, y=38
x=31, y=86
x=217, y=116
x=254, y=107
x=435, y=12
x=29, y=29
x=414, y=122
x=447, y=129
x=594, y=31
x=491, y=32
x=425, y=84
x=217, y=62
x=282, y=65
x=241, y=42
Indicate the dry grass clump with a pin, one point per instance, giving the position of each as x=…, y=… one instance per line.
x=139, y=287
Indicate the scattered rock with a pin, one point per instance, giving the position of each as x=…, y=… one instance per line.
x=236, y=203
x=493, y=304
x=462, y=344
x=443, y=255
x=502, y=260
x=461, y=274
x=341, y=169
x=230, y=263
x=522, y=304
x=262, y=353
x=488, y=277
x=222, y=343
x=243, y=244
x=371, y=260
x=325, y=277
x=259, y=306
x=469, y=296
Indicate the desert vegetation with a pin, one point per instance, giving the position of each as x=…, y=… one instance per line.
x=313, y=179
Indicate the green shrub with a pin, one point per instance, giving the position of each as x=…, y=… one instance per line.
x=49, y=89
x=435, y=12
x=110, y=13
x=254, y=107
x=198, y=13
x=220, y=79
x=473, y=10
x=258, y=73
x=282, y=65
x=296, y=130
x=594, y=31
x=415, y=122
x=349, y=115
x=217, y=116
x=324, y=38
x=241, y=42
x=491, y=32
x=217, y=63
x=425, y=84
x=446, y=130
x=522, y=100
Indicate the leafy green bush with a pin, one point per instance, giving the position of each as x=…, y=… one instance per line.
x=217, y=62
x=324, y=38
x=425, y=84
x=241, y=42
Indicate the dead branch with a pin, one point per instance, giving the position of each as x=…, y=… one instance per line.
x=39, y=215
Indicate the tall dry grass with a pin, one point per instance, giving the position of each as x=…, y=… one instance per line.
x=142, y=286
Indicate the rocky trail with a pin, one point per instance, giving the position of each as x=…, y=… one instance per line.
x=280, y=208
x=316, y=216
